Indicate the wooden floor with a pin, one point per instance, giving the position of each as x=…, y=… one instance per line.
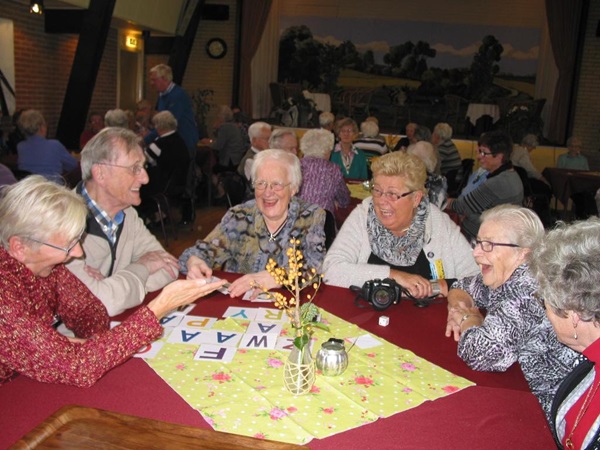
x=206, y=219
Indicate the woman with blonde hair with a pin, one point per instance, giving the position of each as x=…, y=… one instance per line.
x=397, y=233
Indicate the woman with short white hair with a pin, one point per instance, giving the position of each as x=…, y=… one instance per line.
x=252, y=233
x=322, y=181
x=515, y=327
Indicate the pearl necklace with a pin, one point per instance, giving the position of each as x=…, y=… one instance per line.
x=586, y=404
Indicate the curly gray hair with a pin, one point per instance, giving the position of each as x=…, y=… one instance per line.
x=566, y=265
x=317, y=143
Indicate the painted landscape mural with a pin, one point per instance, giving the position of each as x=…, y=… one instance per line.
x=415, y=71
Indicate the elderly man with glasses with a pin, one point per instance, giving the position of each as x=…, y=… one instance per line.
x=502, y=184
x=123, y=260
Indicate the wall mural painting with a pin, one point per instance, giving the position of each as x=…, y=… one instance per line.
x=424, y=72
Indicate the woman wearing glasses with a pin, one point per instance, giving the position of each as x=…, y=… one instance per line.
x=41, y=224
x=352, y=161
x=515, y=327
x=251, y=233
x=398, y=233
x=502, y=184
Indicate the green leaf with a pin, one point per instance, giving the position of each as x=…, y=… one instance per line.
x=320, y=325
x=301, y=341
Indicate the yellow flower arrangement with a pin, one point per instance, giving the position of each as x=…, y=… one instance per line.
x=294, y=279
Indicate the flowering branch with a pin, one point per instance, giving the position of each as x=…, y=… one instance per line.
x=294, y=279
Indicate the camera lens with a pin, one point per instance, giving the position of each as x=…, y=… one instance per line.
x=382, y=298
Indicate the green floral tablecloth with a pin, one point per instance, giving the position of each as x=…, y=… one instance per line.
x=247, y=395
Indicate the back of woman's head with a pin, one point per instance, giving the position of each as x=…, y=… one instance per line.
x=399, y=164
x=566, y=265
x=369, y=129
x=426, y=152
x=36, y=207
x=317, y=143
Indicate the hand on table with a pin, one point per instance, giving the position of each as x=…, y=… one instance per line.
x=458, y=315
x=416, y=285
x=252, y=281
x=198, y=269
x=181, y=292
x=159, y=259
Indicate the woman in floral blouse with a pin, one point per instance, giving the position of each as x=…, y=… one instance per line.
x=41, y=224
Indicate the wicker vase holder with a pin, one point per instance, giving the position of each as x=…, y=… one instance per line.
x=299, y=371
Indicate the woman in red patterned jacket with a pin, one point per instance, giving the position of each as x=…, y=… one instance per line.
x=40, y=227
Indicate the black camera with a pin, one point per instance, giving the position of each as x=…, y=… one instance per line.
x=381, y=293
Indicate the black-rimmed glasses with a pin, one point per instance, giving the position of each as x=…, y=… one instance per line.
x=488, y=246
x=389, y=195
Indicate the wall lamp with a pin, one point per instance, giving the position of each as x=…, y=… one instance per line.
x=36, y=6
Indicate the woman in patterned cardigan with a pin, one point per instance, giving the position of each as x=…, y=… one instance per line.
x=515, y=327
x=252, y=233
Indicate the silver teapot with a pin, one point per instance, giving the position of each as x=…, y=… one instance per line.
x=332, y=358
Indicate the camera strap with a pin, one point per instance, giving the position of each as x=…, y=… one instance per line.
x=359, y=301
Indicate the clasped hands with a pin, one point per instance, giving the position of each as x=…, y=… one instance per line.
x=459, y=316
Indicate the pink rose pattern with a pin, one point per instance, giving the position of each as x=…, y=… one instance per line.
x=221, y=377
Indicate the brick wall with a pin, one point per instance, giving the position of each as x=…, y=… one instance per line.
x=43, y=65
x=587, y=110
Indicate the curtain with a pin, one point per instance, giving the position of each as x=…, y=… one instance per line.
x=254, y=17
x=546, y=76
x=265, y=65
x=563, y=24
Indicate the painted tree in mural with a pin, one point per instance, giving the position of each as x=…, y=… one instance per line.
x=483, y=69
x=409, y=60
x=303, y=59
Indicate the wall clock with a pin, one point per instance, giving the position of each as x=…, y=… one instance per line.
x=216, y=48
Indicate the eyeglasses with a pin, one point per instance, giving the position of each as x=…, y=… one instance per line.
x=484, y=153
x=135, y=169
x=392, y=196
x=67, y=250
x=488, y=246
x=277, y=186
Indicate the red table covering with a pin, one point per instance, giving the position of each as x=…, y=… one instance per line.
x=499, y=412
